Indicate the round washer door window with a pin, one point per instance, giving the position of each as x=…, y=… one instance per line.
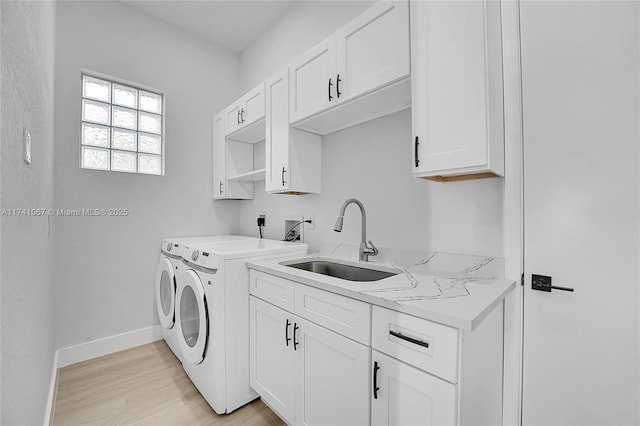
x=165, y=293
x=191, y=317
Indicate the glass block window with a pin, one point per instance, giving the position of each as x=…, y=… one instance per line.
x=121, y=127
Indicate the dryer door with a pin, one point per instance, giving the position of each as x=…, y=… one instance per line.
x=192, y=317
x=165, y=293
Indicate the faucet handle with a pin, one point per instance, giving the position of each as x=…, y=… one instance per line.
x=374, y=249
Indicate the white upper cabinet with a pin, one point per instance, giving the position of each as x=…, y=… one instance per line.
x=373, y=49
x=292, y=156
x=246, y=112
x=456, y=78
x=313, y=80
x=219, y=176
x=277, y=134
x=370, y=53
x=230, y=159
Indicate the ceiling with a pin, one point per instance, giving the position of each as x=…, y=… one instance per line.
x=230, y=24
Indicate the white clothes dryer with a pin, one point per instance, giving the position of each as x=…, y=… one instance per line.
x=212, y=316
x=169, y=266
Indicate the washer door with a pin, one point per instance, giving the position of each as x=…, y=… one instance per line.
x=192, y=317
x=166, y=293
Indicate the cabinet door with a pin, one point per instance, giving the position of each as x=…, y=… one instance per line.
x=332, y=378
x=272, y=356
x=253, y=106
x=232, y=117
x=456, y=78
x=313, y=80
x=373, y=49
x=408, y=396
x=219, y=155
x=278, y=176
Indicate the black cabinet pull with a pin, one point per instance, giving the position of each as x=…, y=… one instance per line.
x=242, y=115
x=220, y=187
x=409, y=339
x=330, y=84
x=338, y=86
x=295, y=338
x=286, y=332
x=283, y=181
x=376, y=367
x=416, y=152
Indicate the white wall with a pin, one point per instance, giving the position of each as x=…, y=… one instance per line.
x=26, y=99
x=371, y=162
x=105, y=266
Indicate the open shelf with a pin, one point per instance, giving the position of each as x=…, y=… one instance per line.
x=251, y=133
x=249, y=177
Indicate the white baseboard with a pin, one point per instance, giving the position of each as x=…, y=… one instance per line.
x=108, y=345
x=53, y=392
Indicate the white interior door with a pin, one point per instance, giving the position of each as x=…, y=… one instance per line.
x=580, y=119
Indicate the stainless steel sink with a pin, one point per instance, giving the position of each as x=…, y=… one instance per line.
x=342, y=270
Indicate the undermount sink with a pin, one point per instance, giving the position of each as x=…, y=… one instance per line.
x=341, y=270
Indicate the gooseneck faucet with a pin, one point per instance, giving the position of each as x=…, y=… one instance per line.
x=365, y=250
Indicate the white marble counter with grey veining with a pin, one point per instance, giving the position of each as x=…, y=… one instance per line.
x=452, y=289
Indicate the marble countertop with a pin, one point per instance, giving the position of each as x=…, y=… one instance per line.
x=452, y=289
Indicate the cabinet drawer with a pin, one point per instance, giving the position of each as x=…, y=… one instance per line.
x=424, y=344
x=345, y=316
x=272, y=289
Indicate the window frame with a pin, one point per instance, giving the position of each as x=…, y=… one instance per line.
x=118, y=81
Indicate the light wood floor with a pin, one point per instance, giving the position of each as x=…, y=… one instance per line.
x=142, y=386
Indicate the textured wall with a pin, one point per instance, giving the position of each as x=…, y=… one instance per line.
x=26, y=99
x=371, y=162
x=105, y=267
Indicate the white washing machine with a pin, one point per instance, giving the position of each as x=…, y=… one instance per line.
x=169, y=266
x=212, y=316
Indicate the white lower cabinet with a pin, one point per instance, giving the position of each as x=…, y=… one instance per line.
x=307, y=374
x=331, y=376
x=320, y=358
x=271, y=352
x=404, y=395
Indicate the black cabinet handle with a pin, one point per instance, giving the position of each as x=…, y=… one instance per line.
x=286, y=332
x=220, y=187
x=409, y=339
x=283, y=181
x=338, y=86
x=238, y=117
x=330, y=84
x=415, y=154
x=295, y=338
x=242, y=115
x=376, y=367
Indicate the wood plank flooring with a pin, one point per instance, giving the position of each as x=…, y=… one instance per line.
x=142, y=386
